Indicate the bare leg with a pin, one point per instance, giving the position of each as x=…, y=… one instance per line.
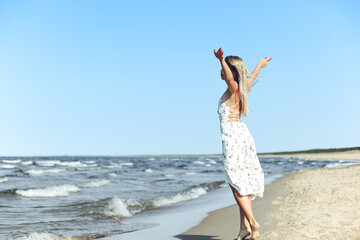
x=246, y=207
x=245, y=229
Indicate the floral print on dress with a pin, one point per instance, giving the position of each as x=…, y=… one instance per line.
x=242, y=165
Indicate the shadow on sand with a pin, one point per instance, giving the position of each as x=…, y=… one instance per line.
x=196, y=237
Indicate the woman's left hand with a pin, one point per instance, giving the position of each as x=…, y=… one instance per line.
x=219, y=54
x=264, y=62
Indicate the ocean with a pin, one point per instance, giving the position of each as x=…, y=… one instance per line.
x=93, y=197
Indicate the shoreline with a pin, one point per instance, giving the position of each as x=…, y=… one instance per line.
x=296, y=205
x=224, y=223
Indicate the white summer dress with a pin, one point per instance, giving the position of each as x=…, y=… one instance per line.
x=242, y=165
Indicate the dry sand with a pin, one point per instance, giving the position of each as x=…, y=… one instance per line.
x=345, y=155
x=308, y=204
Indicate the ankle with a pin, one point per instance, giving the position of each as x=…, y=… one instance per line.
x=252, y=223
x=244, y=227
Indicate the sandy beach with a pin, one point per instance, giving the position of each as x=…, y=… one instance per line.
x=308, y=204
x=344, y=155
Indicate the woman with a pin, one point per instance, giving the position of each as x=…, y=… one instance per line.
x=243, y=170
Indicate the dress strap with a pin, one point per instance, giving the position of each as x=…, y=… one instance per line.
x=234, y=115
x=235, y=103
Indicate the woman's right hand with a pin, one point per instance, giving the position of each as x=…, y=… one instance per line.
x=264, y=62
x=219, y=54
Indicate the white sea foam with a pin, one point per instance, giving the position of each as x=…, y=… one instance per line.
x=211, y=161
x=95, y=183
x=3, y=179
x=199, y=162
x=117, y=207
x=7, y=166
x=207, y=165
x=300, y=162
x=84, y=169
x=280, y=163
x=89, y=162
x=112, y=165
x=179, y=174
x=191, y=194
x=48, y=163
x=112, y=174
x=148, y=170
x=51, y=163
x=11, y=161
x=92, y=165
x=25, y=163
x=337, y=164
x=39, y=172
x=53, y=191
x=151, y=159
x=42, y=236
x=72, y=164
x=126, y=164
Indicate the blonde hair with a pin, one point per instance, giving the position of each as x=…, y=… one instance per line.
x=242, y=75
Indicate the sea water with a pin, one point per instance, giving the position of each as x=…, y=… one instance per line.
x=46, y=197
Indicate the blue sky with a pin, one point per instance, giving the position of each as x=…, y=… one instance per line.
x=140, y=77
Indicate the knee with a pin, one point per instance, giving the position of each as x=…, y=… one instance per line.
x=235, y=192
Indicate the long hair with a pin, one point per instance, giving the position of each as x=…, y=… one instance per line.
x=237, y=66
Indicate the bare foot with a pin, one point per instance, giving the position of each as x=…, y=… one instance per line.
x=254, y=230
x=243, y=234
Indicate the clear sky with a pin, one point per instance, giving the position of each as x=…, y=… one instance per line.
x=140, y=77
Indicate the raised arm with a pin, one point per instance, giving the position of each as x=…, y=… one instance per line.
x=229, y=78
x=262, y=63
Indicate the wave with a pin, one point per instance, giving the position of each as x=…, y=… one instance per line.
x=112, y=174
x=84, y=169
x=126, y=164
x=53, y=191
x=39, y=172
x=50, y=236
x=25, y=163
x=49, y=163
x=118, y=207
x=190, y=194
x=11, y=161
x=39, y=236
x=148, y=170
x=341, y=163
x=8, y=166
x=90, y=162
x=3, y=179
x=199, y=162
x=111, y=165
x=179, y=174
x=73, y=164
x=95, y=183
x=211, y=161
